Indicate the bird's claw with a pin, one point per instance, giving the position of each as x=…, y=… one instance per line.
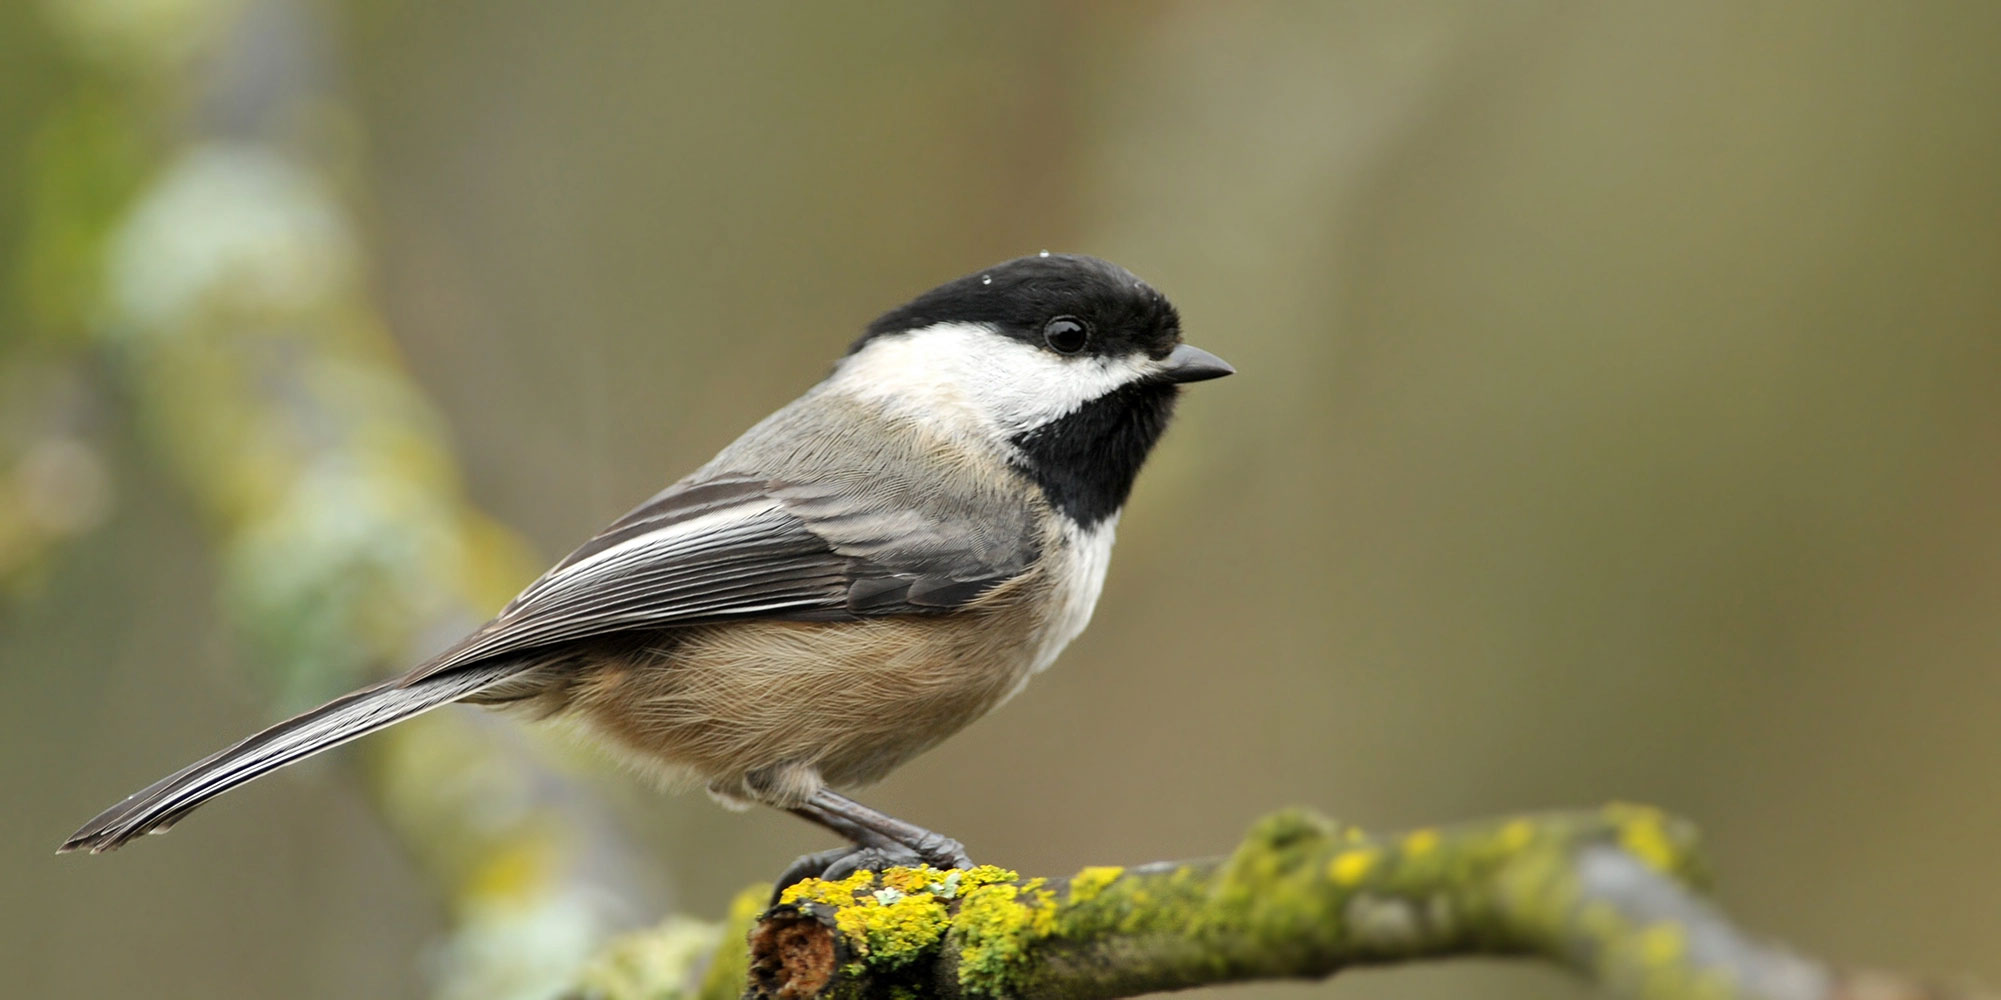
x=838, y=863
x=940, y=851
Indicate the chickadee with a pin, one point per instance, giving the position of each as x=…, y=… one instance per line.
x=871, y=568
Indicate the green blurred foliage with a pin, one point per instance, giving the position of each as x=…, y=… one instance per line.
x=1617, y=418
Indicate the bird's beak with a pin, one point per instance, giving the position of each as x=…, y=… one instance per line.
x=1188, y=363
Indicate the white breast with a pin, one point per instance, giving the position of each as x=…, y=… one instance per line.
x=1081, y=577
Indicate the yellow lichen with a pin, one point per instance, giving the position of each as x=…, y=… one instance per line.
x=988, y=875
x=1712, y=984
x=815, y=890
x=888, y=921
x=515, y=871
x=995, y=927
x=1350, y=867
x=918, y=879
x=1419, y=843
x=731, y=965
x=888, y=929
x=1643, y=833
x=1088, y=882
x=1661, y=944
x=632, y=965
x=1601, y=920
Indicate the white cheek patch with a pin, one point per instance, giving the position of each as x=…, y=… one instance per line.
x=976, y=380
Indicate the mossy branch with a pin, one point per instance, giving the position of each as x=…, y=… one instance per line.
x=203, y=246
x=1613, y=895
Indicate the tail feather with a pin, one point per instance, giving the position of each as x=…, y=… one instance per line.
x=160, y=805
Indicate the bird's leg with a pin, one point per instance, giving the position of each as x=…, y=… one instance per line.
x=847, y=817
x=868, y=851
x=882, y=841
x=837, y=863
x=855, y=834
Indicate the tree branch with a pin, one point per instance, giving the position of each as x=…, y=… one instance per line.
x=1609, y=894
x=224, y=279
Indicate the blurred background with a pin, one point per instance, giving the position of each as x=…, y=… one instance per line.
x=1617, y=418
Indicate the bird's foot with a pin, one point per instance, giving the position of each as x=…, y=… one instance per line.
x=838, y=863
x=940, y=851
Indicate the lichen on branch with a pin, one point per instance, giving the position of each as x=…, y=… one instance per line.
x=1301, y=897
x=1613, y=894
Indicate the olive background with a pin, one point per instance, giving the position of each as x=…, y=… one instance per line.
x=1617, y=417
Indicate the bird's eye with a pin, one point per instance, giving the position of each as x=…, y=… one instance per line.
x=1066, y=334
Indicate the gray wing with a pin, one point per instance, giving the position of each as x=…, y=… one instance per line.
x=733, y=547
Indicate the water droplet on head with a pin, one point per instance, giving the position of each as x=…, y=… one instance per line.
x=1044, y=253
x=986, y=279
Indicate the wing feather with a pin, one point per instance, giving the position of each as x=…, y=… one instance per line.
x=734, y=547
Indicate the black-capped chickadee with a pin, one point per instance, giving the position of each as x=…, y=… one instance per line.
x=857, y=577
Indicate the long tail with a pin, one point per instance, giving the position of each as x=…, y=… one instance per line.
x=162, y=804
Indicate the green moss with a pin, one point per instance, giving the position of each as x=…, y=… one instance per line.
x=1289, y=829
x=636, y=966
x=1648, y=834
x=1298, y=884
x=730, y=968
x=1351, y=866
x=1275, y=880
x=655, y=964
x=995, y=930
x=1087, y=883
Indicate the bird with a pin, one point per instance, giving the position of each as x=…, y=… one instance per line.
x=866, y=571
